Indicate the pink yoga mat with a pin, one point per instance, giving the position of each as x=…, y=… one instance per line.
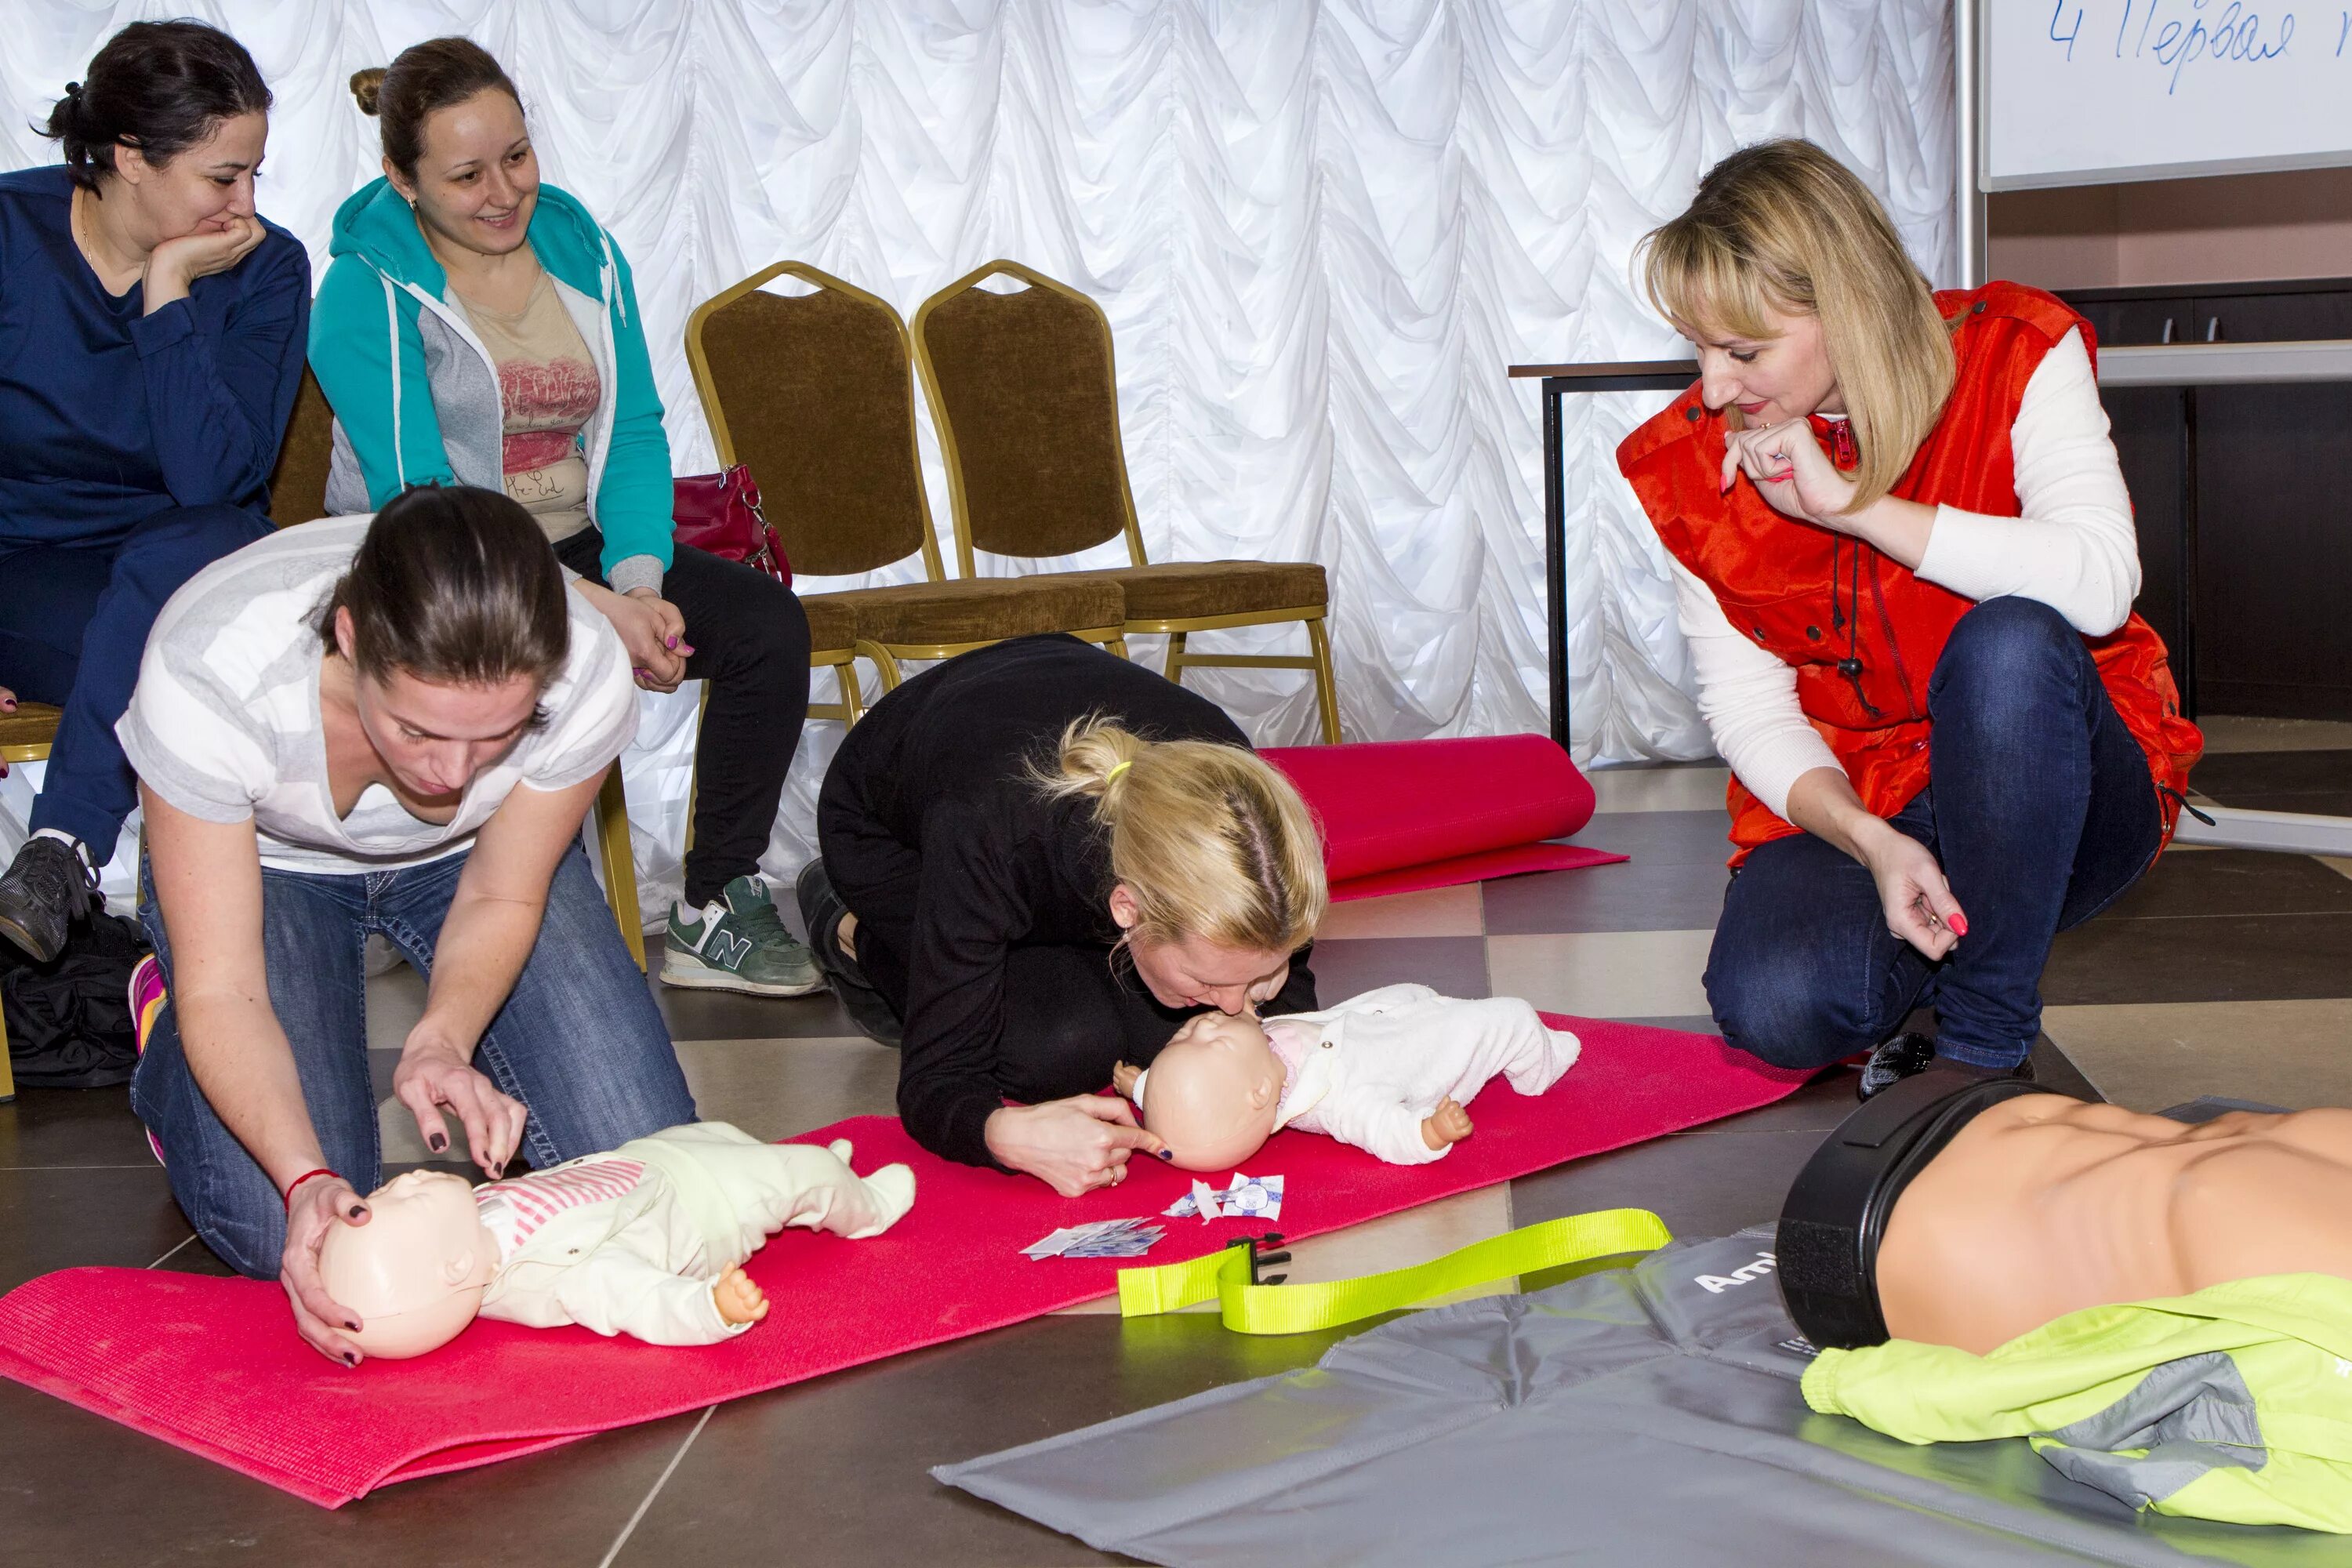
x=1399, y=816
x=214, y=1366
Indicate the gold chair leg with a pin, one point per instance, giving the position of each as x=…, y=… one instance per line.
x=612, y=810
x=1117, y=646
x=885, y=666
x=7, y=1077
x=1176, y=657
x=853, y=703
x=1327, y=689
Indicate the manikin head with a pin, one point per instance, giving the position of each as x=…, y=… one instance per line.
x=415, y=1271
x=1212, y=1092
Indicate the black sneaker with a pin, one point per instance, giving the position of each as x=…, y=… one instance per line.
x=1910, y=1054
x=47, y=887
x=821, y=912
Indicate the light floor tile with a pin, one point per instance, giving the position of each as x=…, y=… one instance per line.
x=1638, y=788
x=2231, y=732
x=1392, y=1241
x=1433, y=911
x=780, y=1088
x=1603, y=974
x=2149, y=1056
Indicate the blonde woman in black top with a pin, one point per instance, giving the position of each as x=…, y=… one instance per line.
x=1038, y=859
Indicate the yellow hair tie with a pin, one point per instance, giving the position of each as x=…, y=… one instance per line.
x=1117, y=770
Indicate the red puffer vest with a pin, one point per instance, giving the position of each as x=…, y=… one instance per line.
x=1801, y=591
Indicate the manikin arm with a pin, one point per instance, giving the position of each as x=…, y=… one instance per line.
x=1374, y=1119
x=618, y=1290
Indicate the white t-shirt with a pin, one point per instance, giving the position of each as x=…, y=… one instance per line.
x=225, y=724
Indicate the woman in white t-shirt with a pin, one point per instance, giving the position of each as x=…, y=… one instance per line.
x=387, y=726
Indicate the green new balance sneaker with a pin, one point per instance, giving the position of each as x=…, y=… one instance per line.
x=738, y=943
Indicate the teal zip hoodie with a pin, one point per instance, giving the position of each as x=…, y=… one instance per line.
x=415, y=396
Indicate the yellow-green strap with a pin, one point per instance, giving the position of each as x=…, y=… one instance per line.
x=1251, y=1308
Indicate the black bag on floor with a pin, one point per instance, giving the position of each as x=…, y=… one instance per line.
x=69, y=1024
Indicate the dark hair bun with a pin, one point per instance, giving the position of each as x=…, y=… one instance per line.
x=367, y=86
x=161, y=87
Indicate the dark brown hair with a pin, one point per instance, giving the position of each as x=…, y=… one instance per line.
x=456, y=585
x=161, y=87
x=436, y=74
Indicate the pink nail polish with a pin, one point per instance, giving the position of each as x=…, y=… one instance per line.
x=1959, y=924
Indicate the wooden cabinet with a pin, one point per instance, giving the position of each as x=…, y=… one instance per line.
x=2263, y=623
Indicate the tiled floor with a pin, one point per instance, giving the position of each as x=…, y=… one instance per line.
x=2224, y=973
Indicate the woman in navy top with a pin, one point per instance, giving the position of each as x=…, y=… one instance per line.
x=151, y=333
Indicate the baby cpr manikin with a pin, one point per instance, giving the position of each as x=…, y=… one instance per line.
x=647, y=1240
x=1388, y=1071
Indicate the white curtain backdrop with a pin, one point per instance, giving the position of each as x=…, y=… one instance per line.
x=1322, y=228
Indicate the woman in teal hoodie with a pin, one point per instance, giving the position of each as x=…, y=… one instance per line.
x=476, y=327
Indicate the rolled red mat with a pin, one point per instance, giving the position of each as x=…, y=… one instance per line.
x=1403, y=815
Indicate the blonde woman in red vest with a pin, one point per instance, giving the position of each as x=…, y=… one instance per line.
x=1904, y=561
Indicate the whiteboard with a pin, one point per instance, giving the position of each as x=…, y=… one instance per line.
x=2084, y=92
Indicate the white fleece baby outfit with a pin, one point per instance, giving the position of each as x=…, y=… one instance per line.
x=1371, y=1070
x=634, y=1241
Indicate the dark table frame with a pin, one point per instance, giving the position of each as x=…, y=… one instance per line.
x=1559, y=381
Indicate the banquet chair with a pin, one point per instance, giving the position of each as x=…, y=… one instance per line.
x=1027, y=406
x=814, y=391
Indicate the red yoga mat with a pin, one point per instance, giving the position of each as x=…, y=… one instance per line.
x=214, y=1365
x=1399, y=816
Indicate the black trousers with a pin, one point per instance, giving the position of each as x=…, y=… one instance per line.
x=750, y=642
x=1072, y=1012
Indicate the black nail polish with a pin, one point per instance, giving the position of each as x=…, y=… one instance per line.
x=438, y=1143
x=359, y=1211
x=352, y=1325
x=1164, y=1154
x=351, y=1358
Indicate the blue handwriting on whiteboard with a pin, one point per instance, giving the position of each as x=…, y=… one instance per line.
x=2177, y=34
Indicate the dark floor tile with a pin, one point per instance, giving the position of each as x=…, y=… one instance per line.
x=727, y=1015
x=1452, y=966
x=836, y=1471
x=2234, y=777
x=1661, y=838
x=2209, y=882
x=1701, y=1184
x=55, y=1127
x=65, y=1218
x=82, y=1490
x=1633, y=895
x=2229, y=958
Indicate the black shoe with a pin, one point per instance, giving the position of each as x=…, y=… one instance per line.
x=47, y=887
x=1910, y=1054
x=820, y=911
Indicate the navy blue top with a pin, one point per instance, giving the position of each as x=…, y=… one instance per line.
x=109, y=414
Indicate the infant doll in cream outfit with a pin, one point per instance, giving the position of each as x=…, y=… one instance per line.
x=1389, y=1071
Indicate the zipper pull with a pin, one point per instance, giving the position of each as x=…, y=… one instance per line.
x=1843, y=452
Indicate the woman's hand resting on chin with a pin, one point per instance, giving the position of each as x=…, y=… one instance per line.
x=1791, y=472
x=1072, y=1145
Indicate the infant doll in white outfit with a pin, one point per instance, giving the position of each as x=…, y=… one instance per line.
x=648, y=1240
x=1389, y=1071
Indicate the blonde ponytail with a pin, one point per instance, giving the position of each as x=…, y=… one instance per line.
x=1209, y=841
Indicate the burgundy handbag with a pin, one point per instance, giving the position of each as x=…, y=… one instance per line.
x=721, y=513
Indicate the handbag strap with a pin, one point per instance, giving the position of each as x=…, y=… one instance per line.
x=1249, y=1308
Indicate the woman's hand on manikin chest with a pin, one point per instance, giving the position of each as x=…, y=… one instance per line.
x=1794, y=472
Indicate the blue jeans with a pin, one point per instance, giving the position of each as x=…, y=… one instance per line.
x=73, y=624
x=578, y=1041
x=2041, y=810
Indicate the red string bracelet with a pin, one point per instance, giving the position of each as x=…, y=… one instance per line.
x=321, y=1171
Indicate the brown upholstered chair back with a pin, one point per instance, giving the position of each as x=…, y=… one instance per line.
x=298, y=486
x=815, y=393
x=1022, y=389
